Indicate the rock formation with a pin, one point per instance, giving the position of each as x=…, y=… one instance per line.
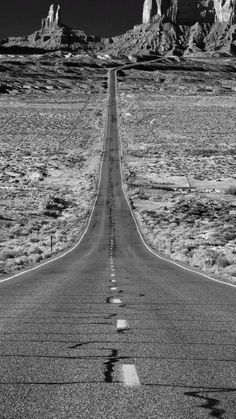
x=150, y=10
x=188, y=12
x=53, y=35
x=53, y=20
x=180, y=27
x=225, y=10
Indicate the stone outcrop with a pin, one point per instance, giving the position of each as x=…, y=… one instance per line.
x=188, y=12
x=150, y=10
x=53, y=19
x=179, y=27
x=225, y=10
x=53, y=35
x=182, y=27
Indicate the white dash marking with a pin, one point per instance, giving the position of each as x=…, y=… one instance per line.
x=113, y=280
x=122, y=325
x=112, y=274
x=130, y=376
x=114, y=288
x=115, y=300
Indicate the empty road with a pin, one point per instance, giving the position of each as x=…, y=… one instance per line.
x=111, y=331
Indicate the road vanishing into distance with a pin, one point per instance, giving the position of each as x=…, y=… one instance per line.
x=110, y=330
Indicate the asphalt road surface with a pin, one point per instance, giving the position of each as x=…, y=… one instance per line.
x=111, y=331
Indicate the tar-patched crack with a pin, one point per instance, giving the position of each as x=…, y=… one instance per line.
x=110, y=316
x=121, y=331
x=113, y=359
x=210, y=404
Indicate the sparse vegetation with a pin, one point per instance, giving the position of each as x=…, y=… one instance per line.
x=178, y=144
x=50, y=154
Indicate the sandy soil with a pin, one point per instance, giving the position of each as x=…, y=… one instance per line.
x=178, y=139
x=51, y=141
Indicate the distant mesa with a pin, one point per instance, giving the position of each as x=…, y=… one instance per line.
x=182, y=27
x=53, y=35
x=174, y=27
x=188, y=12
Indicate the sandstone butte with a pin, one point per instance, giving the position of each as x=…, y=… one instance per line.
x=53, y=20
x=186, y=12
x=179, y=27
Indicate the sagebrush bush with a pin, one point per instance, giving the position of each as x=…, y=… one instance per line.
x=11, y=253
x=222, y=261
x=2, y=267
x=231, y=190
x=35, y=258
x=21, y=261
x=34, y=250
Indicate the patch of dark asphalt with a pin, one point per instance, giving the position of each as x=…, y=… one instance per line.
x=113, y=359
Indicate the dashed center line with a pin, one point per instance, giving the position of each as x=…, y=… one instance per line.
x=122, y=325
x=113, y=288
x=129, y=376
x=115, y=300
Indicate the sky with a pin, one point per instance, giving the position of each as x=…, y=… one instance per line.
x=96, y=17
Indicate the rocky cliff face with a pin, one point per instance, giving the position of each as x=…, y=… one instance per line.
x=54, y=35
x=181, y=27
x=225, y=10
x=188, y=12
x=53, y=20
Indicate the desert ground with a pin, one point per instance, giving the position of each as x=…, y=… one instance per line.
x=52, y=113
x=177, y=130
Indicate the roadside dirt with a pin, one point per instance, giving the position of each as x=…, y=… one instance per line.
x=178, y=136
x=51, y=139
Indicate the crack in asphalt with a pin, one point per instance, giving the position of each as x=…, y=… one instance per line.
x=210, y=404
x=113, y=359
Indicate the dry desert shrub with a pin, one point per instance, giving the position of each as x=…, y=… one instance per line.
x=50, y=156
x=222, y=261
x=231, y=190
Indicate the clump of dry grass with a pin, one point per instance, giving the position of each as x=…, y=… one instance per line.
x=231, y=190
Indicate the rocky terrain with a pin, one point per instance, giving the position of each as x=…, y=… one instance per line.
x=53, y=35
x=182, y=27
x=177, y=122
x=179, y=27
x=184, y=12
x=52, y=113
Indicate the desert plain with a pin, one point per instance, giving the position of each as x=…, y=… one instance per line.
x=52, y=113
x=177, y=139
x=177, y=128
